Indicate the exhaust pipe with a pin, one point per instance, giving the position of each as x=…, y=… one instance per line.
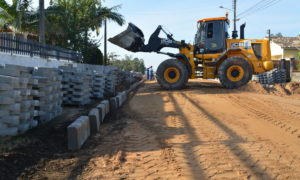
x=242, y=31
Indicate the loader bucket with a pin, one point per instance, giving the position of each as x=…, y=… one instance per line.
x=131, y=39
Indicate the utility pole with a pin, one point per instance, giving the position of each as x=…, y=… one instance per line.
x=42, y=22
x=269, y=34
x=105, y=42
x=234, y=32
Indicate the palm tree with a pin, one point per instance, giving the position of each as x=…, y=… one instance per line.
x=69, y=24
x=13, y=16
x=74, y=20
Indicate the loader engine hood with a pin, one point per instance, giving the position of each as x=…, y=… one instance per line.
x=132, y=39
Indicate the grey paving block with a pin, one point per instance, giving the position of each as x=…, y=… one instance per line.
x=94, y=120
x=13, y=131
x=4, y=112
x=20, y=68
x=9, y=71
x=102, y=111
x=33, y=81
x=11, y=93
x=24, y=80
x=35, y=93
x=9, y=80
x=3, y=125
x=33, y=123
x=25, y=116
x=14, y=108
x=78, y=132
x=26, y=104
x=6, y=100
x=25, y=92
x=10, y=120
x=24, y=127
x=6, y=87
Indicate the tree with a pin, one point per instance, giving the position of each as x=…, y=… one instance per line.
x=128, y=63
x=279, y=34
x=92, y=54
x=70, y=23
x=14, y=16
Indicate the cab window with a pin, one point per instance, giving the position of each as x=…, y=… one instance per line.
x=210, y=30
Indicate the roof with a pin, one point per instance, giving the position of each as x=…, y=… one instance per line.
x=214, y=19
x=287, y=42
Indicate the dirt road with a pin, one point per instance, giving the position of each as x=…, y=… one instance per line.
x=203, y=132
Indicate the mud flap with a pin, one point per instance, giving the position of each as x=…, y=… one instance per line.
x=131, y=39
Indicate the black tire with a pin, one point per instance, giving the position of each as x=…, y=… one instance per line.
x=235, y=72
x=172, y=74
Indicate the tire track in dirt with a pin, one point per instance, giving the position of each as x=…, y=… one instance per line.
x=185, y=135
x=208, y=145
x=147, y=156
x=142, y=154
x=267, y=112
x=258, y=159
x=292, y=111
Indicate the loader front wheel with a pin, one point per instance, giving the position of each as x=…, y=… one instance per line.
x=235, y=72
x=172, y=74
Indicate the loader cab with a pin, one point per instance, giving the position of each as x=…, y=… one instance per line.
x=211, y=35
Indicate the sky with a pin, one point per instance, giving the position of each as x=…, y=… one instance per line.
x=180, y=18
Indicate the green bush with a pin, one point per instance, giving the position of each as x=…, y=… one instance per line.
x=298, y=66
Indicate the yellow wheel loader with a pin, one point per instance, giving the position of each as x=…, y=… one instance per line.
x=213, y=54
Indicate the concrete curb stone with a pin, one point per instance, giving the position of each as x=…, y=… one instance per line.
x=113, y=107
x=102, y=111
x=107, y=106
x=94, y=120
x=78, y=132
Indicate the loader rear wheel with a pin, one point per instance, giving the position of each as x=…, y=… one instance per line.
x=172, y=74
x=235, y=72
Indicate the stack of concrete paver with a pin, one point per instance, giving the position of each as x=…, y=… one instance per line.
x=280, y=76
x=47, y=93
x=128, y=78
x=81, y=88
x=267, y=77
x=98, y=85
x=9, y=111
x=16, y=100
x=111, y=81
x=76, y=86
x=67, y=76
x=271, y=77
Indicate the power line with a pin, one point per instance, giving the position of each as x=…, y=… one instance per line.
x=252, y=7
x=259, y=7
x=263, y=7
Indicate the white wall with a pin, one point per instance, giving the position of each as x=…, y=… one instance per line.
x=276, y=49
x=40, y=62
x=30, y=61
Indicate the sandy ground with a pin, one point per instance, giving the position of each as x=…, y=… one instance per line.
x=202, y=132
